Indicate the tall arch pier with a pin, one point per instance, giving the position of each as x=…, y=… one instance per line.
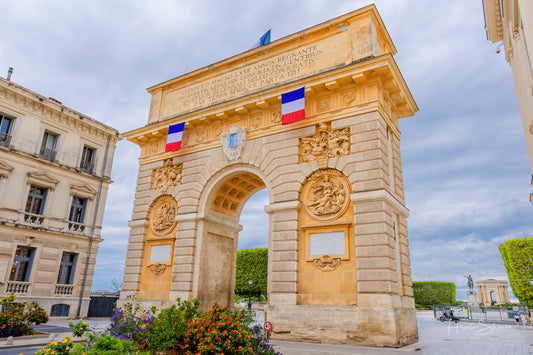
x=338, y=264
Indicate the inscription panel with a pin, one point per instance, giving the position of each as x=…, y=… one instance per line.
x=292, y=64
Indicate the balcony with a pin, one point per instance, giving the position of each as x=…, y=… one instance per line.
x=18, y=287
x=64, y=290
x=75, y=228
x=48, y=154
x=4, y=139
x=87, y=167
x=33, y=220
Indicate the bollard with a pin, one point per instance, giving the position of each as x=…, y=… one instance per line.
x=9, y=340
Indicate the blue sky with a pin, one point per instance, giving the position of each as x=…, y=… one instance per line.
x=466, y=172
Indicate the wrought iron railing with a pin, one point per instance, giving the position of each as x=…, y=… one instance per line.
x=48, y=154
x=87, y=167
x=63, y=290
x=19, y=287
x=4, y=139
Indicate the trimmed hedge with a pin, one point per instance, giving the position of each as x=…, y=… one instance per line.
x=434, y=292
x=517, y=257
x=251, y=264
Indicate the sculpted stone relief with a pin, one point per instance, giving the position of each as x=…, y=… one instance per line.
x=325, y=195
x=325, y=144
x=158, y=269
x=167, y=175
x=327, y=263
x=163, y=215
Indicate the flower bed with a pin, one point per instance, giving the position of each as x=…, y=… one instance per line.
x=16, y=319
x=179, y=329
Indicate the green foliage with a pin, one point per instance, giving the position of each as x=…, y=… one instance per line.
x=16, y=318
x=110, y=345
x=167, y=331
x=434, y=292
x=55, y=348
x=518, y=261
x=251, y=264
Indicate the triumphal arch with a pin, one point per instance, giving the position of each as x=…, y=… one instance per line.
x=338, y=267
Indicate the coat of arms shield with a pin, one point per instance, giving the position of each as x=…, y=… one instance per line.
x=233, y=142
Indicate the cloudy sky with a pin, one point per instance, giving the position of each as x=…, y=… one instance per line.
x=466, y=171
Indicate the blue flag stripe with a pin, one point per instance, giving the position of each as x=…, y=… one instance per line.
x=176, y=128
x=293, y=95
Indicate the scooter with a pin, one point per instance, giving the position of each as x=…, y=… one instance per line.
x=449, y=318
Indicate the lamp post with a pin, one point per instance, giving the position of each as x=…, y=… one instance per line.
x=250, y=282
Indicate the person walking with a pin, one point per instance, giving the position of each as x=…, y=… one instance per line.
x=517, y=318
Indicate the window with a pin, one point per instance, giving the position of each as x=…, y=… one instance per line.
x=67, y=269
x=87, y=160
x=77, y=209
x=5, y=129
x=22, y=264
x=48, y=148
x=36, y=200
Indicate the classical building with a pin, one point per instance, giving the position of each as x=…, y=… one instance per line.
x=493, y=291
x=511, y=23
x=55, y=165
x=339, y=268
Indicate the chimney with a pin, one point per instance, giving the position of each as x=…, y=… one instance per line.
x=9, y=72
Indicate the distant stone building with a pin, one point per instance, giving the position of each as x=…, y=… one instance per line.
x=55, y=165
x=493, y=291
x=511, y=22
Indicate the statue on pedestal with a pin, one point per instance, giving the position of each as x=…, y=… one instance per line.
x=472, y=295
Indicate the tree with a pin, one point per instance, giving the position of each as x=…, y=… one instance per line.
x=517, y=257
x=252, y=264
x=434, y=292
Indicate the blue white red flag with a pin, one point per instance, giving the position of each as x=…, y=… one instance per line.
x=265, y=39
x=175, y=134
x=293, y=106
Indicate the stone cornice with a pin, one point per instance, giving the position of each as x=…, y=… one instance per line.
x=21, y=100
x=380, y=195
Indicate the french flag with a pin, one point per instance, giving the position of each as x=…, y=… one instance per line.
x=175, y=134
x=293, y=106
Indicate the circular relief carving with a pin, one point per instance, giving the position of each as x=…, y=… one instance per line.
x=325, y=195
x=163, y=215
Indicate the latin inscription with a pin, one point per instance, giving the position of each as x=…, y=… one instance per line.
x=271, y=71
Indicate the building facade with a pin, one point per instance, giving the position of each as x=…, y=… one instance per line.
x=511, y=22
x=338, y=250
x=493, y=291
x=55, y=165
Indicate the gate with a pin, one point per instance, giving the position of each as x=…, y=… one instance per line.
x=102, y=305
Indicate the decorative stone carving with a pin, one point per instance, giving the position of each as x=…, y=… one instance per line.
x=158, y=269
x=327, y=263
x=163, y=215
x=325, y=144
x=325, y=195
x=276, y=117
x=233, y=142
x=167, y=175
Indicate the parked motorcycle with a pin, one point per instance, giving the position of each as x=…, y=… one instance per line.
x=449, y=318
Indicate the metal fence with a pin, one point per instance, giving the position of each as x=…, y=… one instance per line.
x=499, y=314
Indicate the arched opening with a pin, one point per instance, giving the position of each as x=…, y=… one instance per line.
x=492, y=297
x=221, y=230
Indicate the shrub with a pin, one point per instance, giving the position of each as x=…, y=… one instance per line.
x=516, y=254
x=55, y=348
x=168, y=330
x=251, y=264
x=128, y=322
x=16, y=318
x=434, y=292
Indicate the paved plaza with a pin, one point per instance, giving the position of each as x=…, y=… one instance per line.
x=434, y=338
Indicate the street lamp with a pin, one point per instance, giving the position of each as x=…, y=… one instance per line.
x=250, y=282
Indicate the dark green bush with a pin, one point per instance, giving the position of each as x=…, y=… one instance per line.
x=518, y=261
x=434, y=292
x=252, y=264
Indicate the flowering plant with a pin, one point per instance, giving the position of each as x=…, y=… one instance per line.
x=128, y=322
x=16, y=317
x=55, y=348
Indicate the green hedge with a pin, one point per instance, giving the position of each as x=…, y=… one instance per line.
x=434, y=292
x=517, y=257
x=252, y=264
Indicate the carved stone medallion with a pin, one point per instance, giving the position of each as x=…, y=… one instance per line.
x=167, y=175
x=158, y=269
x=327, y=263
x=325, y=144
x=163, y=215
x=233, y=142
x=325, y=195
